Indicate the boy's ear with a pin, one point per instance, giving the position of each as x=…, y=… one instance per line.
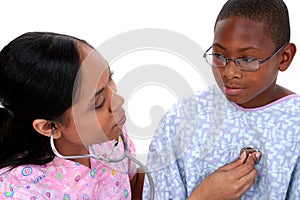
x=44, y=127
x=288, y=54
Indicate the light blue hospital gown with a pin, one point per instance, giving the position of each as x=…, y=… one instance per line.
x=205, y=132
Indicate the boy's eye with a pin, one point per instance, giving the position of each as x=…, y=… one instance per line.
x=248, y=59
x=218, y=56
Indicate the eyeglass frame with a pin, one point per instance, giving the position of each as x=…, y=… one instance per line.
x=235, y=60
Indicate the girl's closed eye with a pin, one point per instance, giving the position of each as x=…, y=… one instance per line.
x=99, y=102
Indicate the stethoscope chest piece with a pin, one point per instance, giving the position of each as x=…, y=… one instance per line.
x=249, y=150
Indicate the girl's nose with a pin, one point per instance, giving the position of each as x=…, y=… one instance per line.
x=116, y=100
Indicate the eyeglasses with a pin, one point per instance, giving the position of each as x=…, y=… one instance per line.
x=243, y=64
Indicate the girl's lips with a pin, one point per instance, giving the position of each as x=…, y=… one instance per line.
x=233, y=90
x=122, y=121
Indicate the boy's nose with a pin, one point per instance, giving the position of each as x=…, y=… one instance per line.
x=231, y=70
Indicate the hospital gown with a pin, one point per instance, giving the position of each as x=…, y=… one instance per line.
x=67, y=180
x=206, y=131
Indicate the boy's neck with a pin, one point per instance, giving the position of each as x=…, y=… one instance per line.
x=278, y=92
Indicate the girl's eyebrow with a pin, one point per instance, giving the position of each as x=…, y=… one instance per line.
x=98, y=92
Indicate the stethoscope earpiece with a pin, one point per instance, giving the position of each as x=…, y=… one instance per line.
x=53, y=127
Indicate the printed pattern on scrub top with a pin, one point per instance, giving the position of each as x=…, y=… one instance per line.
x=67, y=180
x=206, y=131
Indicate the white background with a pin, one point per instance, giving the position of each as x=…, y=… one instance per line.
x=97, y=21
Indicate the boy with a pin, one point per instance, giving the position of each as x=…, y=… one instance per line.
x=251, y=45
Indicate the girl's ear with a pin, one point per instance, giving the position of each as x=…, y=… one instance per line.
x=44, y=127
x=288, y=54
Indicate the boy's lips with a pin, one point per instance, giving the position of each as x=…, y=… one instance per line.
x=233, y=90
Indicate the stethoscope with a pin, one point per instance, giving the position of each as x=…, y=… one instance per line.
x=249, y=150
x=109, y=160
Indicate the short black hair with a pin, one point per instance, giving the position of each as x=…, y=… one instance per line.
x=273, y=13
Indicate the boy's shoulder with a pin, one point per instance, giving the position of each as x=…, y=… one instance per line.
x=208, y=98
x=199, y=105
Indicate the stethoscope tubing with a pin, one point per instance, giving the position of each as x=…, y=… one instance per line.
x=115, y=160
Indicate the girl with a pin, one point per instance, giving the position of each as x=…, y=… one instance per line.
x=58, y=84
